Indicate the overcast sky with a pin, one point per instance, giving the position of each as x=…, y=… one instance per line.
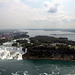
x=17, y=14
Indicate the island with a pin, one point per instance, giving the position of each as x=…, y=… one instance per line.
x=47, y=47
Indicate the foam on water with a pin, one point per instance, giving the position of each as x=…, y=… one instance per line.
x=11, y=53
x=18, y=73
x=43, y=74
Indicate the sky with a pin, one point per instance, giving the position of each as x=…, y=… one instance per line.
x=30, y=14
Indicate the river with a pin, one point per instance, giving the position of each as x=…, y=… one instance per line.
x=17, y=66
x=37, y=67
x=69, y=35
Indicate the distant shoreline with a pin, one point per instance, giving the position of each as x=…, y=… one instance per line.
x=62, y=34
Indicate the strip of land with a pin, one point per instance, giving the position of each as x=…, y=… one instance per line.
x=46, y=47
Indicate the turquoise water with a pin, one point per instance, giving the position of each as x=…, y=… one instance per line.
x=37, y=67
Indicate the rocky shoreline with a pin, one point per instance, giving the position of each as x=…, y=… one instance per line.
x=49, y=59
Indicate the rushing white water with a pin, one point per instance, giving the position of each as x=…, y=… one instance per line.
x=11, y=53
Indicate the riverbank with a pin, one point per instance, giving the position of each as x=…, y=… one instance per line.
x=48, y=59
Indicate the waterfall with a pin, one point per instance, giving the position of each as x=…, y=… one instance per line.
x=11, y=53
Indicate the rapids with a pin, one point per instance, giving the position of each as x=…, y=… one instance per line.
x=9, y=52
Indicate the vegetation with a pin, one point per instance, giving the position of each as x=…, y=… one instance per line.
x=49, y=40
x=3, y=41
x=73, y=46
x=15, y=44
x=21, y=41
x=8, y=36
x=45, y=47
x=20, y=35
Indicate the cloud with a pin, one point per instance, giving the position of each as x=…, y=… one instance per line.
x=52, y=10
x=18, y=14
x=15, y=12
x=53, y=6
